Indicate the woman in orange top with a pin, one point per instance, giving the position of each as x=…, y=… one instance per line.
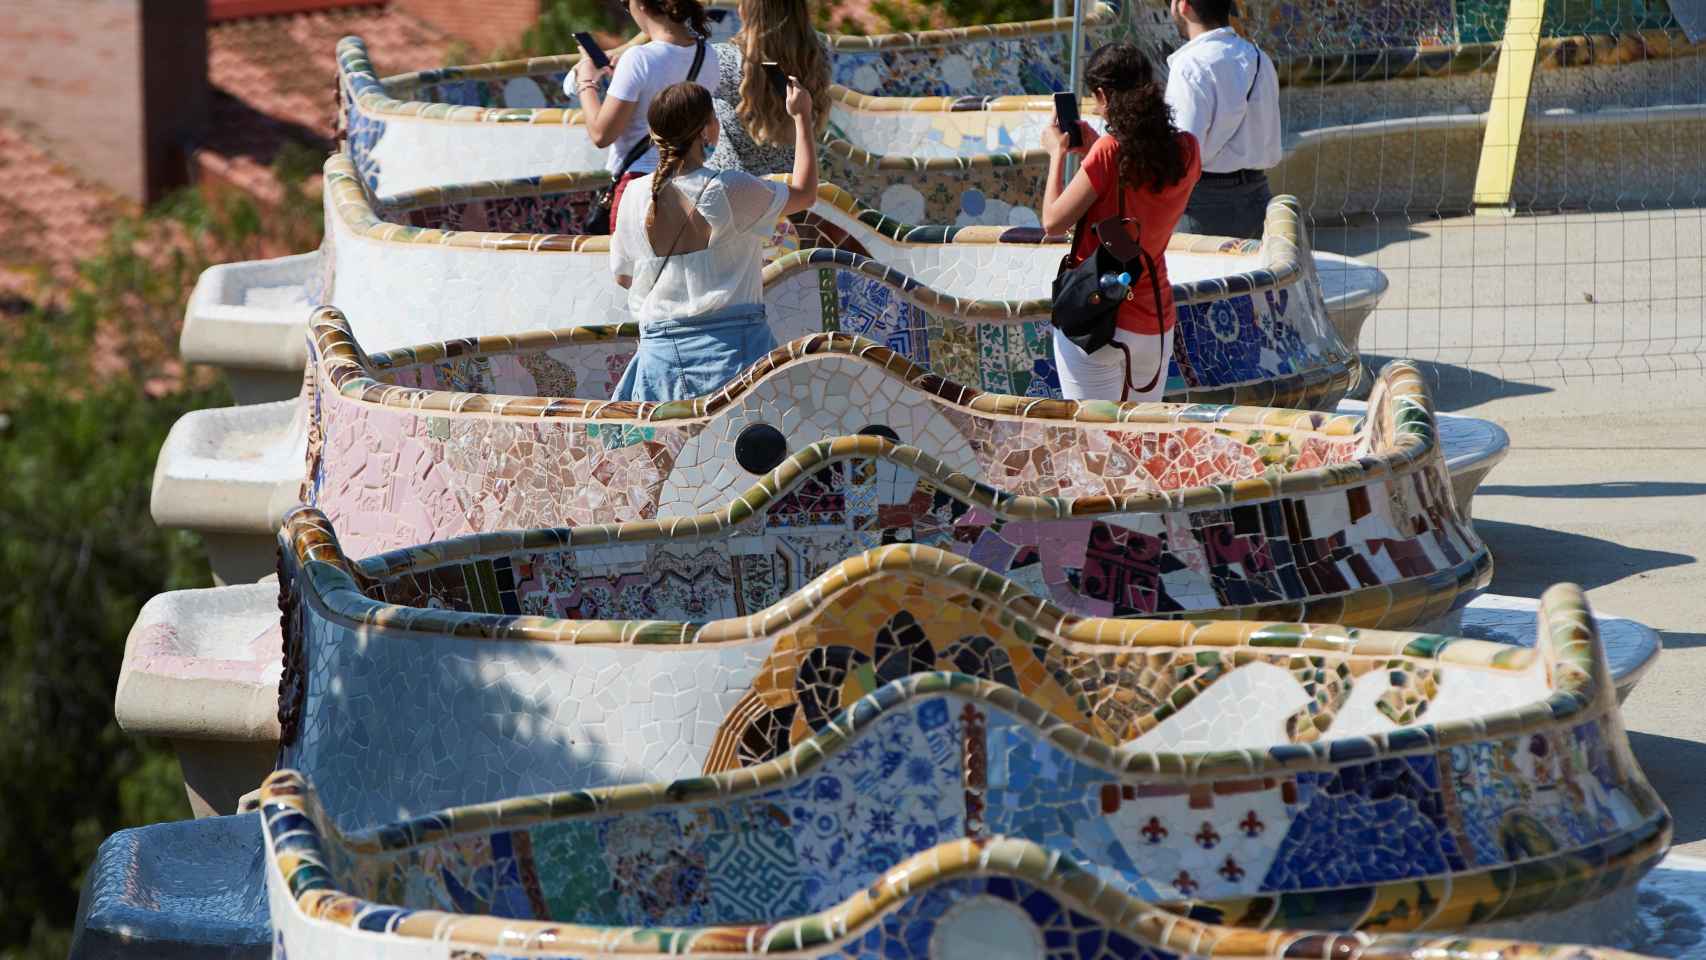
x=1156, y=166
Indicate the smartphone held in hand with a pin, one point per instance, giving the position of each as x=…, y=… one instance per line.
x=778, y=78
x=590, y=47
x=1066, y=117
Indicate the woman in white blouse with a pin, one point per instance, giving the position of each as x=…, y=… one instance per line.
x=689, y=248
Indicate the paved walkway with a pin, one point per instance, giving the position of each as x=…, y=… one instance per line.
x=1582, y=336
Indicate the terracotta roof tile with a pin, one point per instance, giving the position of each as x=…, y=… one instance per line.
x=49, y=216
x=274, y=81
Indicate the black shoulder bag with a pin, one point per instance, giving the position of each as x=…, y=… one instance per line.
x=597, y=221
x=1081, y=312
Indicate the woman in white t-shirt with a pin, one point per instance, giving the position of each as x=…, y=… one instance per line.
x=617, y=120
x=689, y=247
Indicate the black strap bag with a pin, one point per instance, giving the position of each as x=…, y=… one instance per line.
x=1081, y=311
x=597, y=220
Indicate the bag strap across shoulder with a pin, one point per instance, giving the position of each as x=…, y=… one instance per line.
x=643, y=146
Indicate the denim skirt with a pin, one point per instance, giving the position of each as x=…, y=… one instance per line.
x=693, y=356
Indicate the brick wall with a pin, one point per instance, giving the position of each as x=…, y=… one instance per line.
x=114, y=88
x=486, y=24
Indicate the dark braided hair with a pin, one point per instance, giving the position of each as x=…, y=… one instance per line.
x=678, y=117
x=690, y=13
x=1141, y=122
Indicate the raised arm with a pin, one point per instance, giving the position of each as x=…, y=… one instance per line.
x=802, y=184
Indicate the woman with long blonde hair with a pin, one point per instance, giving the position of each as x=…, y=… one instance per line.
x=758, y=133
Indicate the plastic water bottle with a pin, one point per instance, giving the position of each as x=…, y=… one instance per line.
x=1113, y=286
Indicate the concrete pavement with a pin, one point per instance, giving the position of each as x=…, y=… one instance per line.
x=1581, y=335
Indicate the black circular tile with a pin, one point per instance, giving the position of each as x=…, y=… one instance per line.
x=760, y=448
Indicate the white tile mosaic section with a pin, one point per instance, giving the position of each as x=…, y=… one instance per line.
x=416, y=153
x=496, y=720
x=940, y=134
x=398, y=294
x=810, y=401
x=402, y=294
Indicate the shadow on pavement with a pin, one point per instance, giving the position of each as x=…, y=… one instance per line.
x=1677, y=770
x=1457, y=388
x=1362, y=234
x=1527, y=560
x=1612, y=489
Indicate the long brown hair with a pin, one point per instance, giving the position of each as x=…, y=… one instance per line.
x=690, y=13
x=678, y=117
x=781, y=32
x=1151, y=156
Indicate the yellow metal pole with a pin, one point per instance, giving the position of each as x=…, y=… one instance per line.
x=1493, y=178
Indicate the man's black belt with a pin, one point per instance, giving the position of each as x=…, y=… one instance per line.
x=1236, y=176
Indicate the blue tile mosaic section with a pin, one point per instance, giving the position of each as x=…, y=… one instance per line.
x=875, y=310
x=1037, y=792
x=1367, y=824
x=1065, y=934
x=1230, y=341
x=364, y=133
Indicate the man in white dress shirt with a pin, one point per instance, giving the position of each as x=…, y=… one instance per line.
x=1225, y=91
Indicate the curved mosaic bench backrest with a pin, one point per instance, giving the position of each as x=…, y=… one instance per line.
x=1025, y=57
x=1254, y=330
x=960, y=892
x=1209, y=507
x=400, y=144
x=937, y=757
x=495, y=628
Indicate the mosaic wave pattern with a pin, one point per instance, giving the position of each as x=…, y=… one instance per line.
x=400, y=144
x=1004, y=58
x=966, y=302
x=1308, y=27
x=1524, y=809
x=1340, y=66
x=1108, y=509
x=936, y=904
x=559, y=669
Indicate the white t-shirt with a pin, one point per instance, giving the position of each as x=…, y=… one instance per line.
x=741, y=210
x=1209, y=87
x=640, y=73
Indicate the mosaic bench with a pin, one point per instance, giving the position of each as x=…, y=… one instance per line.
x=1251, y=326
x=1526, y=815
x=1026, y=56
x=394, y=465
x=382, y=502
x=388, y=120
x=1367, y=102
x=483, y=259
x=1533, y=809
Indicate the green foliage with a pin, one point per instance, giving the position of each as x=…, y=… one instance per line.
x=89, y=387
x=79, y=555
x=967, y=12
x=554, y=32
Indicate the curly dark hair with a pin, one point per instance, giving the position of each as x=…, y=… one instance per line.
x=689, y=13
x=1151, y=156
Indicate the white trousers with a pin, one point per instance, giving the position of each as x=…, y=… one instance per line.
x=1108, y=374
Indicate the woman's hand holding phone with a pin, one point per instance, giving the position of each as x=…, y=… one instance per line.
x=799, y=100
x=1056, y=144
